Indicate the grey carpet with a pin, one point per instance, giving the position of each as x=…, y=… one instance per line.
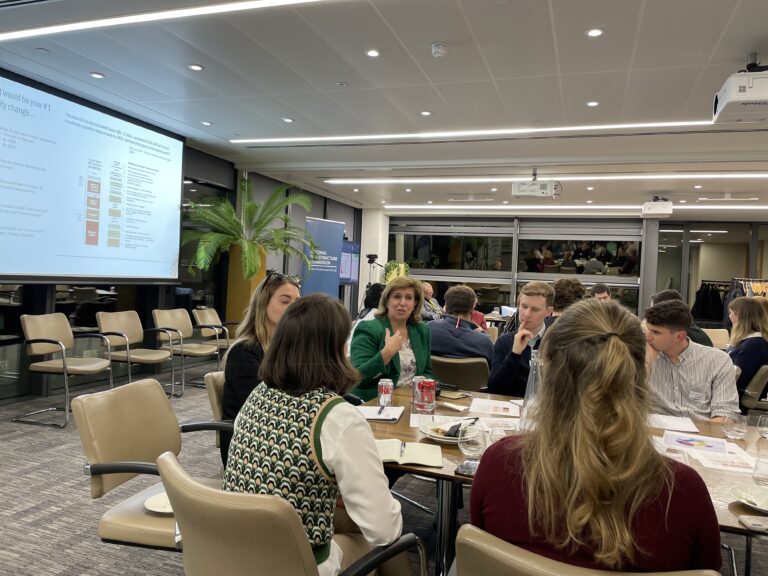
x=48, y=520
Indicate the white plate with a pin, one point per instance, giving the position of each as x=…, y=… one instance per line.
x=756, y=497
x=426, y=429
x=159, y=504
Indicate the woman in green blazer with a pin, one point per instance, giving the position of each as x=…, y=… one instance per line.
x=396, y=344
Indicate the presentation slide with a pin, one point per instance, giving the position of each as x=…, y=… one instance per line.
x=84, y=194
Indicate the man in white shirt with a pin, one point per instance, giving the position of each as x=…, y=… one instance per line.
x=687, y=379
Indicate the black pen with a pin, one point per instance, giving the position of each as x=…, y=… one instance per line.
x=380, y=411
x=402, y=449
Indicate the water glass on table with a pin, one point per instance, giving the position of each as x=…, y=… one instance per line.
x=760, y=473
x=472, y=441
x=762, y=426
x=735, y=426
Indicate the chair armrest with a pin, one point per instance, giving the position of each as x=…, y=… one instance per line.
x=230, y=323
x=219, y=425
x=378, y=556
x=59, y=343
x=121, y=468
x=118, y=334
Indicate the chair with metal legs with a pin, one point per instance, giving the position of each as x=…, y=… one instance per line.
x=47, y=334
x=211, y=326
x=177, y=329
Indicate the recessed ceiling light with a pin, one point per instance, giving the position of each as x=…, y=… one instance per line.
x=355, y=189
x=593, y=103
x=206, y=123
x=287, y=120
x=383, y=201
x=157, y=16
x=709, y=234
x=595, y=32
x=429, y=201
x=97, y=75
x=698, y=187
x=505, y=202
x=683, y=201
x=187, y=181
x=43, y=50
x=407, y=189
x=193, y=189
x=196, y=67
x=590, y=188
x=494, y=189
x=341, y=84
x=372, y=53
x=589, y=201
x=425, y=113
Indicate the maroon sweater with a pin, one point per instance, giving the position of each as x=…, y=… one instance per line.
x=685, y=538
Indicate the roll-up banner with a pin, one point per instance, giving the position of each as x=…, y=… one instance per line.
x=323, y=275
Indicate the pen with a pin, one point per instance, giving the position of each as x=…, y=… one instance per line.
x=402, y=449
x=380, y=411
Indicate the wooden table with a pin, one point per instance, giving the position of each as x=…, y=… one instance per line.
x=719, y=483
x=449, y=485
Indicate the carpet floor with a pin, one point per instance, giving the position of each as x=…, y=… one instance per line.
x=48, y=521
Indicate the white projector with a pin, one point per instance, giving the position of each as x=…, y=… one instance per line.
x=657, y=209
x=743, y=98
x=534, y=188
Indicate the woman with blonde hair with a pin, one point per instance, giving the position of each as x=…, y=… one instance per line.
x=749, y=338
x=241, y=365
x=586, y=486
x=396, y=344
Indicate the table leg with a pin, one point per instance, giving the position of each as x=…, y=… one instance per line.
x=448, y=493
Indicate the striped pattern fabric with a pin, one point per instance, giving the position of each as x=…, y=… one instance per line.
x=701, y=385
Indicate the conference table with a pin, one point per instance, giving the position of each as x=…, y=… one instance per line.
x=449, y=484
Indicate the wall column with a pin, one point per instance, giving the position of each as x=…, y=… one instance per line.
x=374, y=240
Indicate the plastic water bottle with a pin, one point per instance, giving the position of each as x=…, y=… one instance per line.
x=531, y=389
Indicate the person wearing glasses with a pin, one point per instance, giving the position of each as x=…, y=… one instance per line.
x=396, y=344
x=241, y=365
x=297, y=438
x=585, y=485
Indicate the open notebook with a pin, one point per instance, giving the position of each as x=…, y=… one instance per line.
x=394, y=450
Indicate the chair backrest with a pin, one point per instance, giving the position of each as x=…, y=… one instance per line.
x=126, y=322
x=493, y=333
x=568, y=270
x=756, y=388
x=551, y=268
x=214, y=384
x=177, y=318
x=134, y=422
x=478, y=552
x=467, y=373
x=207, y=316
x=612, y=270
x=84, y=294
x=234, y=533
x=53, y=326
x=719, y=336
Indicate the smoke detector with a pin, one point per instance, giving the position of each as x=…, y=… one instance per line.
x=439, y=49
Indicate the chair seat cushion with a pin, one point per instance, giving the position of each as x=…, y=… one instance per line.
x=142, y=356
x=130, y=522
x=74, y=366
x=197, y=349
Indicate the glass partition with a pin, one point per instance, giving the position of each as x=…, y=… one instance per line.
x=558, y=256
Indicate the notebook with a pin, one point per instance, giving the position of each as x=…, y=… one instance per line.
x=394, y=450
x=376, y=414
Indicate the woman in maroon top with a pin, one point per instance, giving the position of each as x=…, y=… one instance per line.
x=586, y=486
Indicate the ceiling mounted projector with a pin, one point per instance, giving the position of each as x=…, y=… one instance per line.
x=743, y=98
x=534, y=188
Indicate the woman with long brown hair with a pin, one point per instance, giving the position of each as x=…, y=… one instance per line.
x=241, y=365
x=586, y=486
x=749, y=338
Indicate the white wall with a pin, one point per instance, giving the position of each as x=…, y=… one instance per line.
x=722, y=261
x=375, y=240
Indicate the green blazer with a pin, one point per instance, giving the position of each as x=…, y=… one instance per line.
x=367, y=343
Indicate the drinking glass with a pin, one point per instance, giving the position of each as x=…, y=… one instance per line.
x=472, y=441
x=499, y=431
x=762, y=426
x=735, y=426
x=760, y=473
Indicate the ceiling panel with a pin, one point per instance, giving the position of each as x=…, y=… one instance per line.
x=532, y=101
x=661, y=94
x=746, y=30
x=476, y=104
x=607, y=88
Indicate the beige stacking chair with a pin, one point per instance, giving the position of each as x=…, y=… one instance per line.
x=124, y=330
x=211, y=326
x=478, y=552
x=755, y=390
x=47, y=334
x=719, y=336
x=214, y=384
x=466, y=373
x=123, y=431
x=177, y=328
x=240, y=534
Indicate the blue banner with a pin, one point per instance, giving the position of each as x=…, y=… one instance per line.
x=323, y=275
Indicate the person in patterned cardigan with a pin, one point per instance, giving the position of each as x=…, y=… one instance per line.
x=296, y=438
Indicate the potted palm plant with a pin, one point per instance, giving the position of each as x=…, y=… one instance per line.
x=249, y=233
